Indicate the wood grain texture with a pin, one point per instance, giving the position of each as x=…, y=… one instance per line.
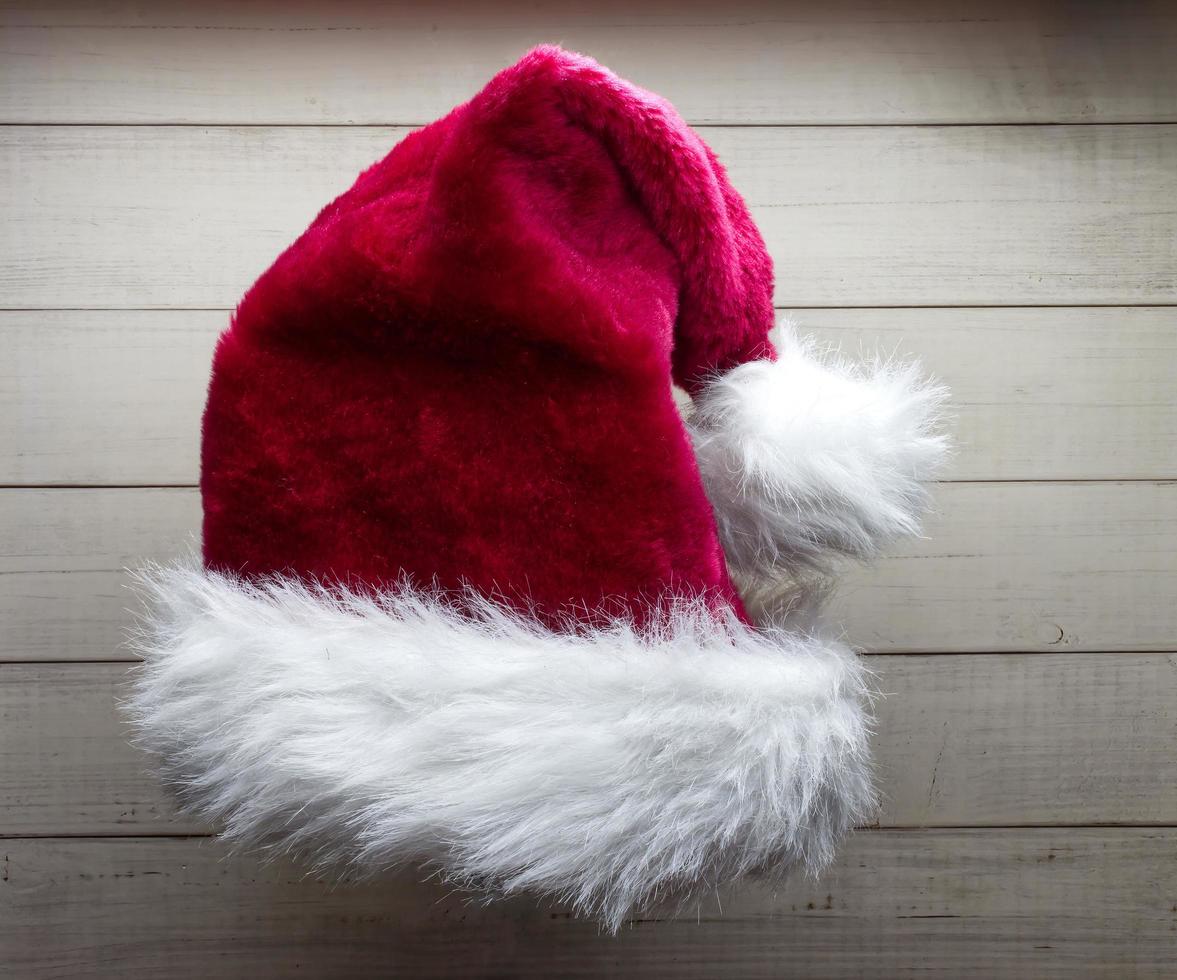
x=185, y=217
x=1045, y=567
x=746, y=61
x=962, y=740
x=841, y=122
x=1026, y=903
x=1037, y=394
x=65, y=760
x=63, y=584
x=97, y=397
x=103, y=397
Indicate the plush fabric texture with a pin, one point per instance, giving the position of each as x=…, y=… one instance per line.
x=464, y=596
x=461, y=371
x=608, y=769
x=812, y=456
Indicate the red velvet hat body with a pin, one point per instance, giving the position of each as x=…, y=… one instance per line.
x=461, y=372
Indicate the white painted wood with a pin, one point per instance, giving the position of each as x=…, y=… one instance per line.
x=1017, y=739
x=94, y=397
x=886, y=214
x=63, y=557
x=745, y=61
x=1032, y=903
x=963, y=740
x=115, y=397
x=162, y=217
x=114, y=217
x=1045, y=567
x=1037, y=394
x=1042, y=567
x=65, y=760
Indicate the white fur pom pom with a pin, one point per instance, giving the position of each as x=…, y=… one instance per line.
x=811, y=456
x=605, y=768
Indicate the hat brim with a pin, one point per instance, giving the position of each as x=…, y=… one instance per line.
x=606, y=768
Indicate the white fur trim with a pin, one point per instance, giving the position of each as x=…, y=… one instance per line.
x=606, y=769
x=811, y=456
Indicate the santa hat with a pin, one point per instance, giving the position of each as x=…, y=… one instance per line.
x=467, y=593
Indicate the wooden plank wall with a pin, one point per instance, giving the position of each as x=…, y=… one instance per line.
x=987, y=185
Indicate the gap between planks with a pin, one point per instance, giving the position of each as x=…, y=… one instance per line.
x=780, y=309
x=889, y=654
x=131, y=124
x=868, y=829
x=1160, y=480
